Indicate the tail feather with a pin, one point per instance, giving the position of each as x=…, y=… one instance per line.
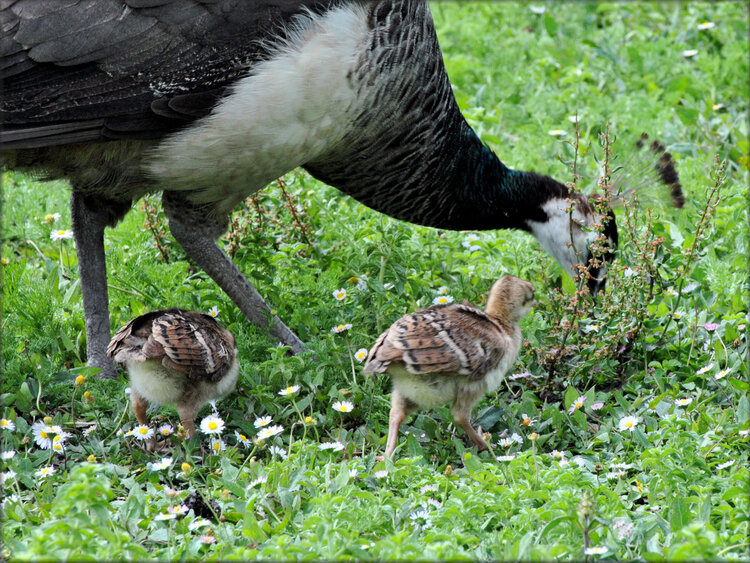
x=650, y=165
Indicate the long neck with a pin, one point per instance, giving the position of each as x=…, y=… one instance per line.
x=481, y=193
x=409, y=153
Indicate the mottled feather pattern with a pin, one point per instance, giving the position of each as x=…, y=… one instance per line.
x=454, y=339
x=451, y=353
x=187, y=342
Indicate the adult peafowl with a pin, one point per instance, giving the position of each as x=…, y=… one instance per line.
x=210, y=100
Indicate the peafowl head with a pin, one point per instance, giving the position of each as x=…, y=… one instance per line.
x=580, y=231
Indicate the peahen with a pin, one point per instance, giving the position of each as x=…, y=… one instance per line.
x=209, y=101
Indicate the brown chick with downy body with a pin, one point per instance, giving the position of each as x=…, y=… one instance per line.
x=451, y=353
x=176, y=357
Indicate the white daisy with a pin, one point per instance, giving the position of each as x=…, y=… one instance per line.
x=214, y=311
x=683, y=402
x=7, y=424
x=43, y=434
x=61, y=234
x=179, y=510
x=165, y=463
x=217, y=445
x=195, y=524
x=165, y=516
x=538, y=10
x=165, y=430
x=142, y=432
x=270, y=431
x=628, y=423
x=341, y=328
x=291, y=390
x=276, y=450
x=380, y=474
x=242, y=439
x=687, y=53
x=335, y=446
x=725, y=464
x=557, y=132
x=361, y=354
x=706, y=25
x=45, y=472
x=704, y=369
x=598, y=550
x=212, y=424
x=7, y=455
x=442, y=290
x=577, y=404
x=505, y=457
x=722, y=374
x=339, y=294
x=343, y=406
x=442, y=300
x=263, y=420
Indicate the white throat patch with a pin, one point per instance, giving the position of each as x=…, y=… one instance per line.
x=565, y=242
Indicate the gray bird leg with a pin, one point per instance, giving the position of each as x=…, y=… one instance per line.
x=90, y=216
x=196, y=231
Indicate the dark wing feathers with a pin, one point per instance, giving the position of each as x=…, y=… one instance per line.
x=448, y=339
x=142, y=67
x=187, y=342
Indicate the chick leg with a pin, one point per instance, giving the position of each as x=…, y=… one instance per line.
x=90, y=216
x=139, y=408
x=401, y=407
x=462, y=416
x=196, y=232
x=187, y=414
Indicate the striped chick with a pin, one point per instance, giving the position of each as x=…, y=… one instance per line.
x=176, y=357
x=451, y=353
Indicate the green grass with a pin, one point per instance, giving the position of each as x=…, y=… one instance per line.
x=665, y=490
